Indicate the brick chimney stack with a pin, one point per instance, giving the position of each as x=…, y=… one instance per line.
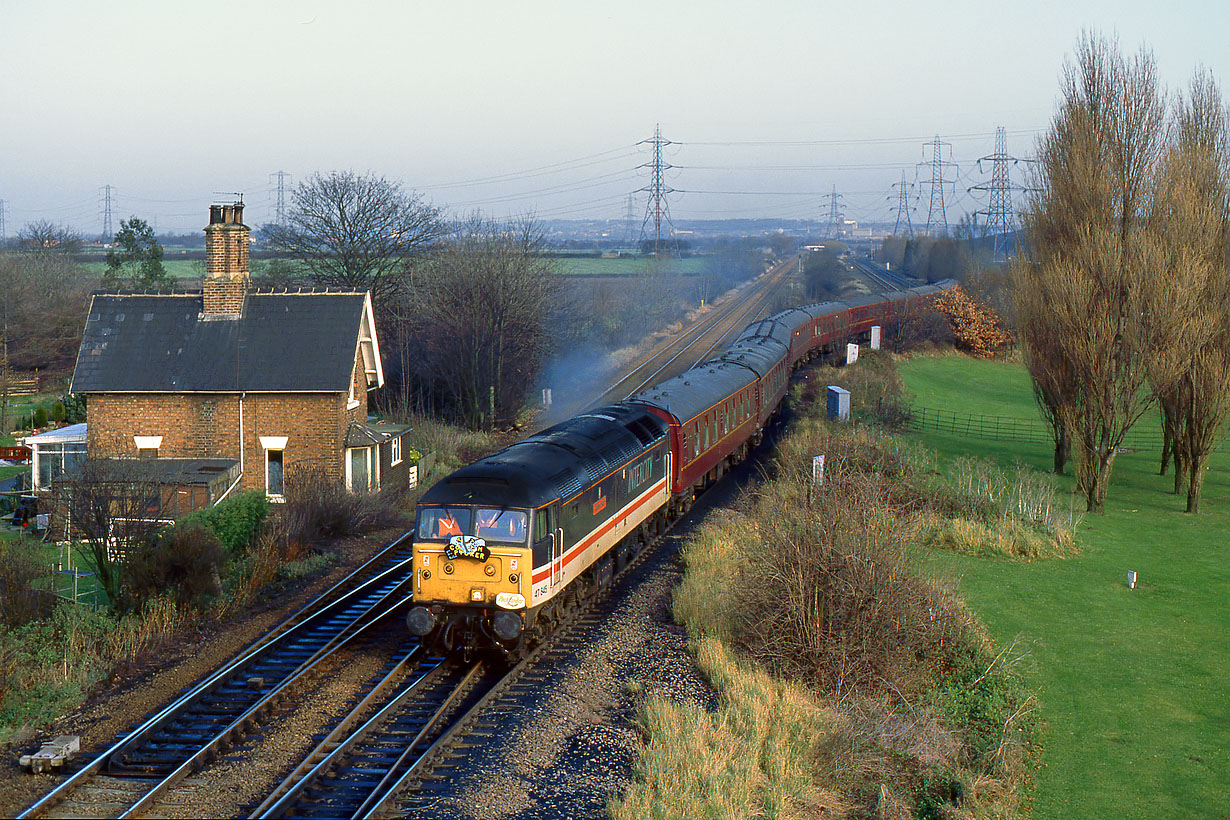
x=226, y=262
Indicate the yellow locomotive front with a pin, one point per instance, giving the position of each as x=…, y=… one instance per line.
x=472, y=574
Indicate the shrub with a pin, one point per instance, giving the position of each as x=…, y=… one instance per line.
x=182, y=561
x=25, y=582
x=58, y=412
x=235, y=521
x=39, y=418
x=74, y=407
x=319, y=507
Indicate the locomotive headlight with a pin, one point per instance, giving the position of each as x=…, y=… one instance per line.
x=476, y=594
x=426, y=574
x=489, y=569
x=448, y=569
x=514, y=578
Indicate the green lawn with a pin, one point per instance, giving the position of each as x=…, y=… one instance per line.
x=1133, y=684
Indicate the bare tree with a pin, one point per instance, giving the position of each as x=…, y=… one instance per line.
x=1191, y=214
x=355, y=231
x=45, y=236
x=111, y=506
x=1095, y=288
x=1054, y=383
x=477, y=319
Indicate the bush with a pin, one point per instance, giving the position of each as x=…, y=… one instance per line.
x=25, y=583
x=319, y=508
x=182, y=562
x=74, y=407
x=235, y=521
x=40, y=416
x=58, y=412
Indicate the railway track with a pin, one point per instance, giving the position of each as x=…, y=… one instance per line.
x=694, y=344
x=143, y=767
x=882, y=280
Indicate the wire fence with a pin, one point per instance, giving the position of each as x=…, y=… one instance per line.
x=1007, y=428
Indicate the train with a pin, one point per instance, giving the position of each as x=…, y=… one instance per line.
x=505, y=548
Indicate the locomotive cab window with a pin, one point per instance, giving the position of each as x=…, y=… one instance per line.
x=441, y=523
x=500, y=525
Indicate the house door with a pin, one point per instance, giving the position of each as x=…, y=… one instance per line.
x=360, y=469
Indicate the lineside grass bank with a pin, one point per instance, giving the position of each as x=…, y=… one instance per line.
x=1133, y=683
x=848, y=683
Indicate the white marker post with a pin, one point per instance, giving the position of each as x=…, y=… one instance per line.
x=851, y=353
x=875, y=337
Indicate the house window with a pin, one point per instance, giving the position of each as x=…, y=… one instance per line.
x=275, y=473
x=56, y=460
x=147, y=446
x=395, y=451
x=275, y=466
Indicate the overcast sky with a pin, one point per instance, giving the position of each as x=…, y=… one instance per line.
x=536, y=106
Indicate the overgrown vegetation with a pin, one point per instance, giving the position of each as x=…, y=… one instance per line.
x=848, y=683
x=206, y=567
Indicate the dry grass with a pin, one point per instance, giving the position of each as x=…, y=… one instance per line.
x=984, y=509
x=848, y=684
x=754, y=756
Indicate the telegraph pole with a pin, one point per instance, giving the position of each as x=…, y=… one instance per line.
x=3, y=233
x=903, y=208
x=935, y=212
x=657, y=210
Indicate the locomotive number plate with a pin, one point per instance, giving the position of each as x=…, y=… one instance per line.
x=466, y=546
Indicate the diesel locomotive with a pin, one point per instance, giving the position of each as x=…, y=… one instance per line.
x=504, y=547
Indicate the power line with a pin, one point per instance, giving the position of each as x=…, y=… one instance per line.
x=279, y=210
x=1000, y=220
x=657, y=208
x=836, y=218
x=903, y=207
x=937, y=183
x=108, y=235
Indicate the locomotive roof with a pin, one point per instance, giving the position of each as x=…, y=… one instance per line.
x=694, y=391
x=559, y=462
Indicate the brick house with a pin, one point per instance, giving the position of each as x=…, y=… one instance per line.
x=257, y=385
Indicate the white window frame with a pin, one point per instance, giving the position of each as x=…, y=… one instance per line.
x=275, y=444
x=147, y=443
x=373, y=473
x=395, y=451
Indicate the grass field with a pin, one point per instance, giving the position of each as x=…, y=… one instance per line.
x=178, y=268
x=627, y=266
x=1134, y=685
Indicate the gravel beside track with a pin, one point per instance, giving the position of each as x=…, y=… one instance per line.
x=570, y=747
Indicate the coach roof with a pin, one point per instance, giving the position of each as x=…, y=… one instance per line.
x=283, y=341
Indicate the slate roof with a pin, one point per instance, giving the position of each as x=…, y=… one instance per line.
x=285, y=341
